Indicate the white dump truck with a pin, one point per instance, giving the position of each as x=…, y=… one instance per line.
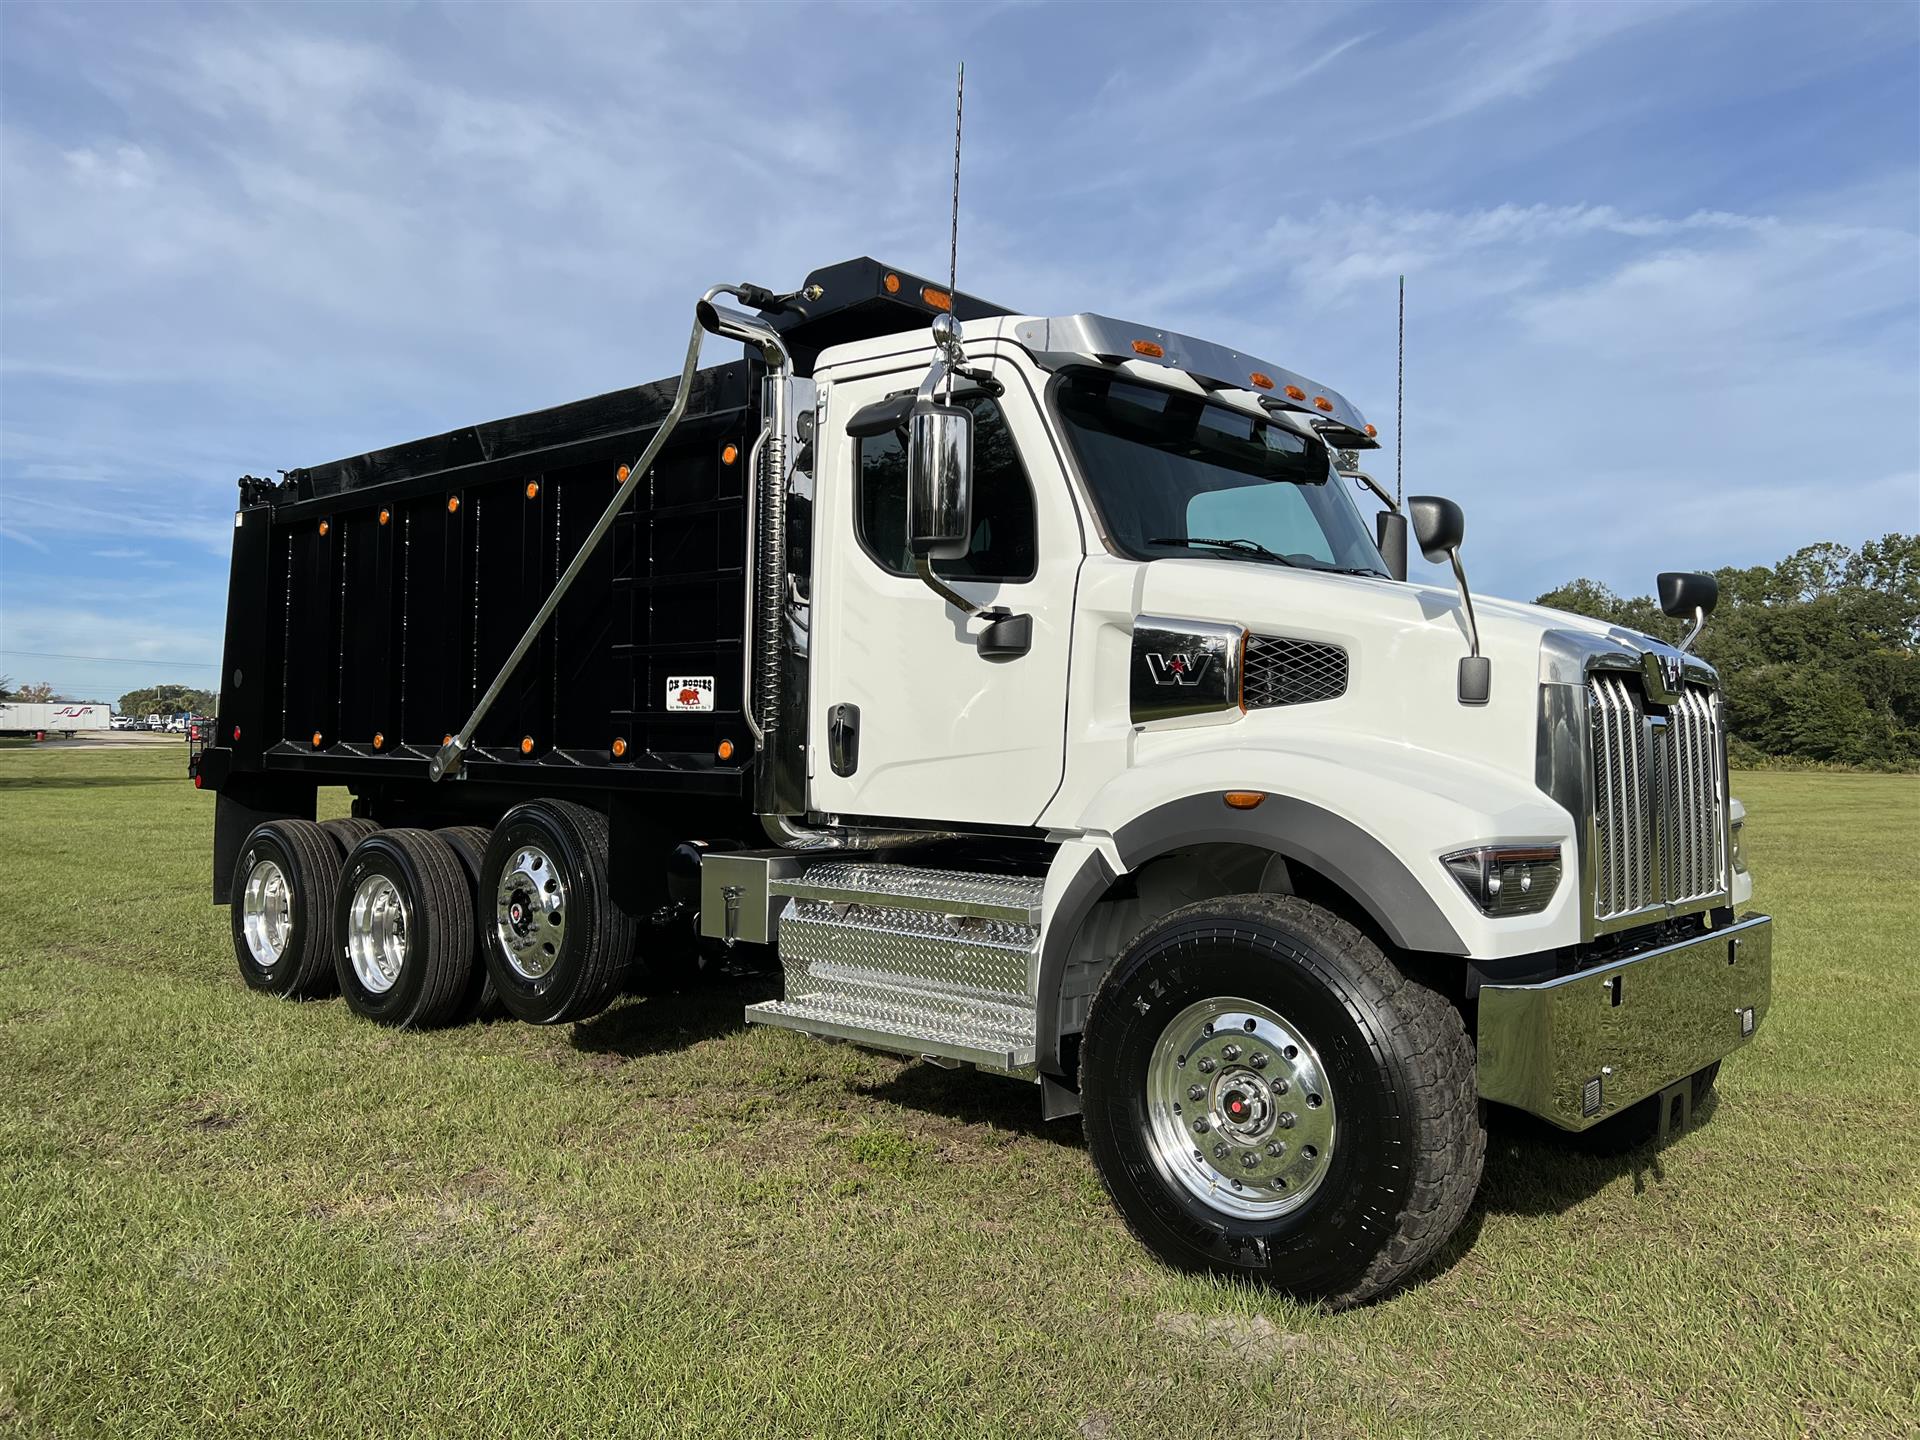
x=1035, y=690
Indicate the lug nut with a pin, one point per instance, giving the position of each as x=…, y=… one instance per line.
x=1258, y=1060
x=1276, y=1148
x=1285, y=1119
x=1200, y=1126
x=1206, y=1065
x=1196, y=1092
x=1279, y=1087
x=1250, y=1160
x=1232, y=1052
x=1220, y=1150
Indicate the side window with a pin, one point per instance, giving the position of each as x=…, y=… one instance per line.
x=1004, y=544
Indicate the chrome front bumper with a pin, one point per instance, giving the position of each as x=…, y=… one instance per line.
x=1576, y=1050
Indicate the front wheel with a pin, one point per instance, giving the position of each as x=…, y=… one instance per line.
x=1266, y=1095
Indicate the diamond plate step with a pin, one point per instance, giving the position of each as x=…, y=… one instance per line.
x=1013, y=898
x=920, y=981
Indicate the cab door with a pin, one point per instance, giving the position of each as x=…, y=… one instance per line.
x=907, y=719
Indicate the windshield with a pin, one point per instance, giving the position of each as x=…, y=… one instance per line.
x=1176, y=475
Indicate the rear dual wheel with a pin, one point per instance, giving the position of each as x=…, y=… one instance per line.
x=282, y=909
x=556, y=946
x=404, y=919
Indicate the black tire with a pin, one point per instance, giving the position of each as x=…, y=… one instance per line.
x=1639, y=1124
x=308, y=865
x=436, y=945
x=469, y=845
x=1399, y=1172
x=567, y=970
x=348, y=831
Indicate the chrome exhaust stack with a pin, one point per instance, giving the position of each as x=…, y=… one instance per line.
x=765, y=641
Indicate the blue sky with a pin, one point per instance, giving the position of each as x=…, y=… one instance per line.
x=1663, y=264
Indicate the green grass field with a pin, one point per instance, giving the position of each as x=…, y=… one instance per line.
x=228, y=1215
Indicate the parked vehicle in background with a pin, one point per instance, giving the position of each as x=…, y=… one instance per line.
x=1044, y=701
x=120, y=722
x=57, y=717
x=154, y=722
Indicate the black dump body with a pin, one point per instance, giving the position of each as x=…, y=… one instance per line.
x=373, y=599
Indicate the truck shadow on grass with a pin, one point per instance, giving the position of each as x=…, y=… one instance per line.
x=657, y=1019
x=85, y=782
x=1531, y=1168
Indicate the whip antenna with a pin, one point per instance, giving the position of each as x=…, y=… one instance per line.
x=1399, y=397
x=953, y=231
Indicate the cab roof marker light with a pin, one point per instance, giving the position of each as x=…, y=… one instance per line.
x=1151, y=349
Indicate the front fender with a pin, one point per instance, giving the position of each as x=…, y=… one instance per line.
x=1373, y=818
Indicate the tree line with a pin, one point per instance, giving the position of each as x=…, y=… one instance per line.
x=1819, y=654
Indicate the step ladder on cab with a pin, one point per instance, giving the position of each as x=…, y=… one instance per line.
x=930, y=962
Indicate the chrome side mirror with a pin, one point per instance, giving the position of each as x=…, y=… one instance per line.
x=939, y=480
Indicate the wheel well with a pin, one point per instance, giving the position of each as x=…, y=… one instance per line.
x=1183, y=877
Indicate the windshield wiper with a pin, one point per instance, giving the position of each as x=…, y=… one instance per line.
x=1237, y=546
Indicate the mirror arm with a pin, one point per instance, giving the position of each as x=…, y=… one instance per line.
x=1699, y=624
x=1466, y=601
x=1373, y=485
x=923, y=567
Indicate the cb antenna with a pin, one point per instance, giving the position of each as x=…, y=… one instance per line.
x=1400, y=402
x=953, y=231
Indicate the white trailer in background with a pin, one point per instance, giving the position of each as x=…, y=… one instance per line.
x=59, y=717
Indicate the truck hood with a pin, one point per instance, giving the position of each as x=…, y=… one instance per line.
x=1404, y=643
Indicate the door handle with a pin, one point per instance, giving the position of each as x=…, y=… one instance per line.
x=843, y=738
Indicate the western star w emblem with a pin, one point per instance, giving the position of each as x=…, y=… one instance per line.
x=1180, y=668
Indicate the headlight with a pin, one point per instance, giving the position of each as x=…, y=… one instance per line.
x=1507, y=879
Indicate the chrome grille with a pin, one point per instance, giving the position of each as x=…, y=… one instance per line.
x=1280, y=671
x=1657, y=818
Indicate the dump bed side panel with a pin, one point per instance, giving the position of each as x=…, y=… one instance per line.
x=367, y=621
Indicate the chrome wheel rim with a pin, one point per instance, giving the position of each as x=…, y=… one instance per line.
x=377, y=926
x=266, y=913
x=530, y=912
x=1240, y=1113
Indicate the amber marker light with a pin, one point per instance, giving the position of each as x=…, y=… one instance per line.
x=446, y=739
x=378, y=739
x=621, y=474
x=1243, y=799
x=533, y=489
x=938, y=299
x=725, y=752
x=1294, y=392
x=316, y=739
x=1261, y=382
x=324, y=527
x=1320, y=402
x=1372, y=434
x=619, y=748
x=385, y=516
x=1149, y=349
x=526, y=744
x=892, y=282
x=453, y=503
x=729, y=454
